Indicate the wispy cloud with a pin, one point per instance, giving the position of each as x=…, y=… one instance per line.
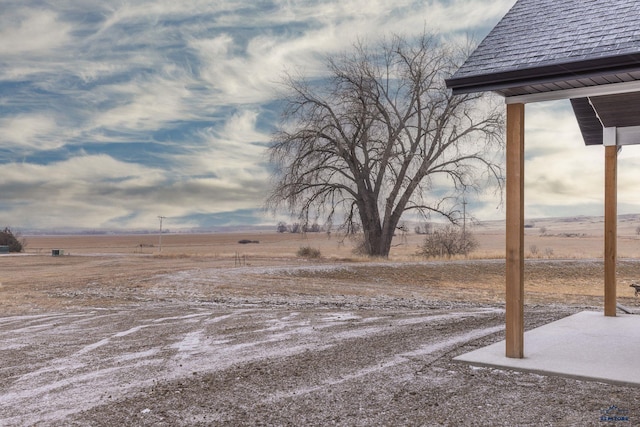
x=30, y=32
x=112, y=113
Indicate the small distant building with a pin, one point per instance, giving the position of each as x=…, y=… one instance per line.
x=57, y=252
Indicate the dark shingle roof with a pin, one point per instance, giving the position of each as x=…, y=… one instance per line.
x=542, y=41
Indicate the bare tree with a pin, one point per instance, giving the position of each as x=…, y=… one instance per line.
x=382, y=136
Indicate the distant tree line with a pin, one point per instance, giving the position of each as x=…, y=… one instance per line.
x=424, y=229
x=296, y=227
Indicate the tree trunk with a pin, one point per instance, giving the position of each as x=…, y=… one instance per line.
x=377, y=238
x=376, y=243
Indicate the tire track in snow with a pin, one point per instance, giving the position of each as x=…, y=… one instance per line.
x=55, y=387
x=423, y=351
x=118, y=353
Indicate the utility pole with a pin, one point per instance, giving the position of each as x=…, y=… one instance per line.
x=160, y=238
x=464, y=220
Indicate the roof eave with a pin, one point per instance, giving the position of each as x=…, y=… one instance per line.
x=544, y=74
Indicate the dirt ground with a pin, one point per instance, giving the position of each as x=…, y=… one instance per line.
x=112, y=335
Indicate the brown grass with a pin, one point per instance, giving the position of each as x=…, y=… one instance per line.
x=105, y=270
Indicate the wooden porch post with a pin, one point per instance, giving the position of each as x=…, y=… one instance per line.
x=610, y=228
x=515, y=232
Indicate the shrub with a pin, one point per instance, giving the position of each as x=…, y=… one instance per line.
x=308, y=252
x=7, y=238
x=447, y=242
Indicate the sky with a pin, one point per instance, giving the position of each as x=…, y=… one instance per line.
x=113, y=113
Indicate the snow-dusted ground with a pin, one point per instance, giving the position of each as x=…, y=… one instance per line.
x=60, y=364
x=189, y=351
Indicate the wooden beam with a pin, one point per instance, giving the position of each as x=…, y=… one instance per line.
x=515, y=232
x=610, y=228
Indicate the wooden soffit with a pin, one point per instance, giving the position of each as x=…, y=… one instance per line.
x=615, y=115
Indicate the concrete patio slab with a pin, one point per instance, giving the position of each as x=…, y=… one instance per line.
x=586, y=345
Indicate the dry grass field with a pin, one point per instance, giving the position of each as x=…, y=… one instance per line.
x=564, y=264
x=208, y=331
